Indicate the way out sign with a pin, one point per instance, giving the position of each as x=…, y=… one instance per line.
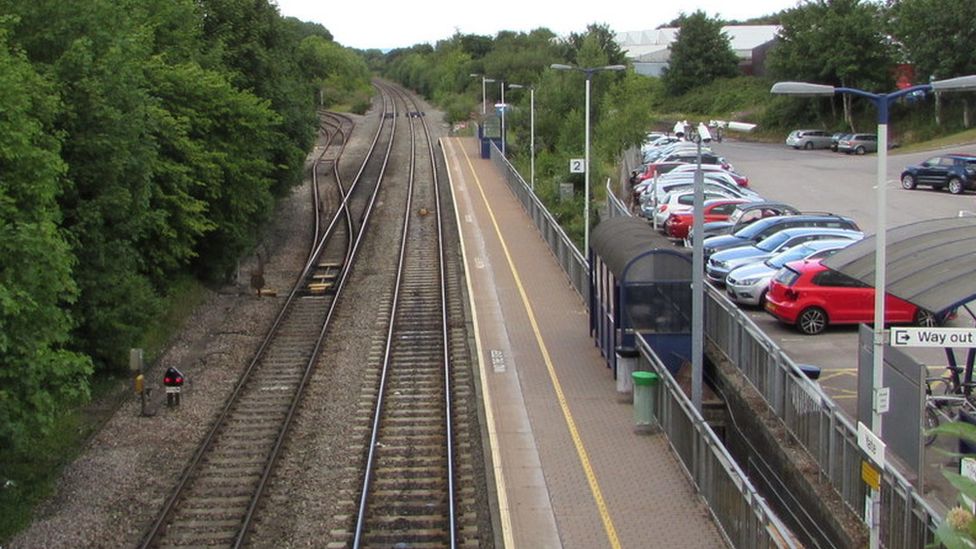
x=577, y=165
x=933, y=337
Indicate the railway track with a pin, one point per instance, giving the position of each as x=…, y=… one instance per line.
x=409, y=492
x=215, y=498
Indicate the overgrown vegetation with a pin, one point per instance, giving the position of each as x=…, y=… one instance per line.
x=143, y=146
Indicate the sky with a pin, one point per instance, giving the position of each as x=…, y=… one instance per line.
x=388, y=24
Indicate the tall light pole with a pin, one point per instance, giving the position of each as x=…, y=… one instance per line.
x=589, y=71
x=503, y=106
x=484, y=90
x=698, y=273
x=882, y=101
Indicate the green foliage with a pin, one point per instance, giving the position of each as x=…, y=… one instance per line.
x=958, y=530
x=37, y=371
x=700, y=54
x=937, y=36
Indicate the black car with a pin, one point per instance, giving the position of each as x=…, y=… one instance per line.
x=758, y=230
x=956, y=172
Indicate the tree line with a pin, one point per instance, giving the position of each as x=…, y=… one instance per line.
x=142, y=143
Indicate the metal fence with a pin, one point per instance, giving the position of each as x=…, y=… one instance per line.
x=743, y=514
x=734, y=502
x=569, y=257
x=812, y=417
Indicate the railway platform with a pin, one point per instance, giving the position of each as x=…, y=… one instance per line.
x=569, y=469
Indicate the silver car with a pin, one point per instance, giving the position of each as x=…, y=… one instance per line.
x=809, y=139
x=748, y=284
x=722, y=262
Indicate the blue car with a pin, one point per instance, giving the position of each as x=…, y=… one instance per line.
x=955, y=172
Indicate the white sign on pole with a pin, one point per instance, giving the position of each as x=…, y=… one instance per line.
x=882, y=399
x=933, y=337
x=872, y=445
x=577, y=165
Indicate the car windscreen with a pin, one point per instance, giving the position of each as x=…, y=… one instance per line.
x=774, y=241
x=793, y=254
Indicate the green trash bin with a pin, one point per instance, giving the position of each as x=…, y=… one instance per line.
x=644, y=388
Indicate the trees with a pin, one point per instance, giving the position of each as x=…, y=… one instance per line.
x=839, y=42
x=700, y=53
x=38, y=374
x=937, y=36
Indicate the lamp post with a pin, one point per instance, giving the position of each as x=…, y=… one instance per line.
x=698, y=273
x=589, y=71
x=882, y=101
x=503, y=106
x=484, y=95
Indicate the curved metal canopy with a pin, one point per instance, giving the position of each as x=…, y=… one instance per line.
x=931, y=264
x=621, y=240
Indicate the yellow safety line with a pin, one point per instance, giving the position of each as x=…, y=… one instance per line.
x=563, y=404
x=504, y=511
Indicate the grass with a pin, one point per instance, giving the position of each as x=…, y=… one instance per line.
x=962, y=138
x=28, y=479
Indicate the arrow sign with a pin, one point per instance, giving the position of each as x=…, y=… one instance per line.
x=933, y=337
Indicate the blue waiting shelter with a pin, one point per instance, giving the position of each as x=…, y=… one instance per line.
x=640, y=283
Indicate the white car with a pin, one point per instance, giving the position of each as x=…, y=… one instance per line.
x=680, y=199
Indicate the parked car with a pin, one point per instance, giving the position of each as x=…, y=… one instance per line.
x=955, y=172
x=681, y=199
x=858, y=143
x=650, y=191
x=763, y=228
x=835, y=140
x=679, y=223
x=651, y=169
x=721, y=263
x=742, y=180
x=743, y=215
x=808, y=139
x=748, y=284
x=811, y=296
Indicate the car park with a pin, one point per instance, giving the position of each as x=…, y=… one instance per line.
x=808, y=139
x=763, y=228
x=721, y=263
x=743, y=215
x=679, y=223
x=954, y=172
x=811, y=297
x=650, y=191
x=747, y=284
x=858, y=143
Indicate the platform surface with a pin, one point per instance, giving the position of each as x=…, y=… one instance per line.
x=570, y=471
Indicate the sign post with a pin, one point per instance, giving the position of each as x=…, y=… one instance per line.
x=933, y=337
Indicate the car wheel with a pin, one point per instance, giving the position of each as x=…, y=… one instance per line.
x=808, y=146
x=859, y=151
x=925, y=319
x=812, y=321
x=955, y=185
x=762, y=299
x=908, y=181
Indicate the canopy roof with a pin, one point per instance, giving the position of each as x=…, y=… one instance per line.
x=930, y=263
x=619, y=241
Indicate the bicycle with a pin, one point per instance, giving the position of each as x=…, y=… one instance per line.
x=956, y=397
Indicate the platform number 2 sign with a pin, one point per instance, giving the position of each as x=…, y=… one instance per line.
x=577, y=165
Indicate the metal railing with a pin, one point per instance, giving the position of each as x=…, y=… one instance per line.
x=734, y=502
x=744, y=516
x=569, y=257
x=811, y=416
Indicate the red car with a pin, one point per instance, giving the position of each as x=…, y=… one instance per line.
x=810, y=296
x=679, y=223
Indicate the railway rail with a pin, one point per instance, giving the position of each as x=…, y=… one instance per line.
x=215, y=498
